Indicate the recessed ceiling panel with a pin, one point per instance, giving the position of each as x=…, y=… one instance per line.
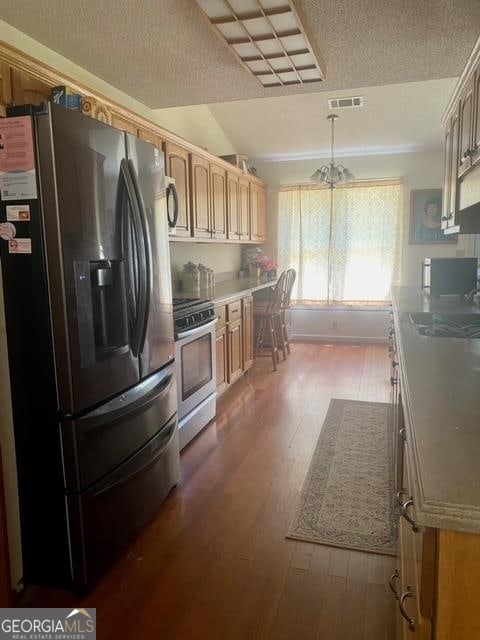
x=268, y=30
x=214, y=8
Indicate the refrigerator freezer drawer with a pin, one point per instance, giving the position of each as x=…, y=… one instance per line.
x=100, y=441
x=104, y=519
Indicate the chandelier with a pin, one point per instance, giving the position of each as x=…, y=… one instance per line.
x=332, y=174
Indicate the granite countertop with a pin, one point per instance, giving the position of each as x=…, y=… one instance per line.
x=235, y=289
x=441, y=397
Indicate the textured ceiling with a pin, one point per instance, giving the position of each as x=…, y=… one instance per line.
x=164, y=52
x=394, y=119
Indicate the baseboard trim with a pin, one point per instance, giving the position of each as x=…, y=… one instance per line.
x=305, y=337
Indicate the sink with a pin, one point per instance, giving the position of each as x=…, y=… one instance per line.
x=447, y=325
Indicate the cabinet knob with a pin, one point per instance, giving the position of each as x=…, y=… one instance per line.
x=393, y=381
x=401, y=605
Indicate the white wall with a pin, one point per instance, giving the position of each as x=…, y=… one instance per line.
x=418, y=171
x=221, y=258
x=196, y=124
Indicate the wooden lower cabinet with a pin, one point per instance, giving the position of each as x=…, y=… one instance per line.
x=222, y=359
x=234, y=341
x=247, y=319
x=435, y=582
x=235, y=350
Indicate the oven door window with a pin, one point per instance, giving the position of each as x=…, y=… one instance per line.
x=196, y=365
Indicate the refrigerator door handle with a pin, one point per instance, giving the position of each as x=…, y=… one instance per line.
x=147, y=272
x=141, y=302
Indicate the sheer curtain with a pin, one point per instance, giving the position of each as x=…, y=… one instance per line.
x=349, y=253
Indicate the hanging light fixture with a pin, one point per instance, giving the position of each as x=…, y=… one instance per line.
x=332, y=174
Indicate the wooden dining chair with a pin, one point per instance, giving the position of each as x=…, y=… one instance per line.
x=281, y=322
x=267, y=319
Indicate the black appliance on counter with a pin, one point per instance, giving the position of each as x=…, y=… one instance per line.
x=86, y=277
x=449, y=276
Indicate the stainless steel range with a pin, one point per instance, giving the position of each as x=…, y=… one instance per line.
x=194, y=323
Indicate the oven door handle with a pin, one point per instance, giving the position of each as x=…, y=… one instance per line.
x=204, y=328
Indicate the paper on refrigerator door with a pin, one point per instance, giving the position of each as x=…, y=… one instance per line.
x=17, y=159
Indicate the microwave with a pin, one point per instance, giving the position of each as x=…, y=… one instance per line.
x=172, y=205
x=449, y=276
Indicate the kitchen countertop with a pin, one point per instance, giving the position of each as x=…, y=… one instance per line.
x=230, y=290
x=441, y=393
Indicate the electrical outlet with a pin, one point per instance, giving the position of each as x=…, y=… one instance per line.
x=334, y=324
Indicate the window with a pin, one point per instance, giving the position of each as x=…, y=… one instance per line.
x=345, y=244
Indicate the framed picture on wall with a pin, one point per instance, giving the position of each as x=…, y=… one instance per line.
x=425, y=218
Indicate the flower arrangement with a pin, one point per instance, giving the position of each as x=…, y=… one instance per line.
x=264, y=263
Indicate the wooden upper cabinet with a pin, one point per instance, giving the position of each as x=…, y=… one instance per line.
x=152, y=137
x=447, y=167
x=475, y=157
x=218, y=179
x=28, y=90
x=177, y=167
x=5, y=87
x=233, y=205
x=465, y=129
x=452, y=189
x=262, y=213
x=244, y=208
x=123, y=124
x=200, y=196
x=254, y=212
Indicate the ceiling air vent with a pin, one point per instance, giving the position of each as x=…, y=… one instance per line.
x=345, y=103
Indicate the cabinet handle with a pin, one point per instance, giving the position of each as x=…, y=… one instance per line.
x=391, y=583
x=411, y=521
x=402, y=435
x=401, y=605
x=393, y=381
x=394, y=364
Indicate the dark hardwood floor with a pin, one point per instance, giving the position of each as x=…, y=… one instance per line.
x=215, y=562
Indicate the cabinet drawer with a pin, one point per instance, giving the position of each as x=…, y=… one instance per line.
x=234, y=311
x=221, y=313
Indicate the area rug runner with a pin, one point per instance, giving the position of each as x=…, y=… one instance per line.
x=348, y=498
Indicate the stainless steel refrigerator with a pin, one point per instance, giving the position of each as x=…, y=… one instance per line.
x=88, y=309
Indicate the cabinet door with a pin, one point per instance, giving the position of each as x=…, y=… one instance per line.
x=123, y=124
x=235, y=350
x=447, y=167
x=244, y=209
x=476, y=120
x=176, y=166
x=222, y=360
x=218, y=179
x=450, y=173
x=254, y=212
x=247, y=321
x=150, y=136
x=233, y=205
x=465, y=130
x=262, y=214
x=28, y=90
x=200, y=173
x=453, y=172
x=5, y=87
